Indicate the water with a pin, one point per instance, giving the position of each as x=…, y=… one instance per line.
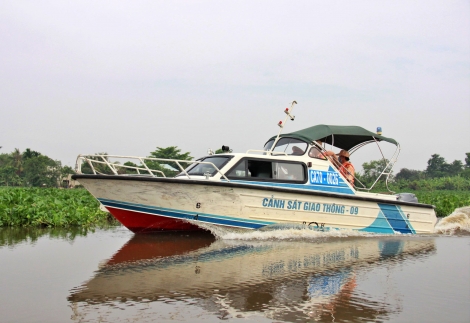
x=112, y=275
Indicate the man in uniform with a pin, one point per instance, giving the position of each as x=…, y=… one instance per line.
x=346, y=169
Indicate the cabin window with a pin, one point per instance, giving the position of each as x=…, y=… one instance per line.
x=201, y=169
x=260, y=168
x=288, y=171
x=267, y=170
x=290, y=146
x=315, y=152
x=239, y=170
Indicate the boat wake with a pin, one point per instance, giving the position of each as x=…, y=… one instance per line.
x=295, y=234
x=276, y=233
x=457, y=223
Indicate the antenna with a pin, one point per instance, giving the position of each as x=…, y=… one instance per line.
x=281, y=124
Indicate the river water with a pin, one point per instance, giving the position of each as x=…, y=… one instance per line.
x=112, y=275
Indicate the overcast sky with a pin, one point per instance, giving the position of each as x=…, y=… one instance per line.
x=124, y=77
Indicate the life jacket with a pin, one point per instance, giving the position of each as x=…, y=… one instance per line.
x=347, y=170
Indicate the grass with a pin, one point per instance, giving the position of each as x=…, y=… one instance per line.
x=50, y=207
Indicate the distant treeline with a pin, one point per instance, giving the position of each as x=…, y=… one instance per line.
x=31, y=168
x=438, y=175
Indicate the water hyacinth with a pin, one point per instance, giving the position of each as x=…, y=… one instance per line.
x=444, y=201
x=50, y=207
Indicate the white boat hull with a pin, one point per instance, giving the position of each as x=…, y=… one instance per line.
x=143, y=205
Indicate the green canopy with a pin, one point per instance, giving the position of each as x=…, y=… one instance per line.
x=344, y=137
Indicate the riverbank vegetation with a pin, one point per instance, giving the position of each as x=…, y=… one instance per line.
x=50, y=207
x=444, y=185
x=31, y=169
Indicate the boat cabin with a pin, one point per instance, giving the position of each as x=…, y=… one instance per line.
x=298, y=158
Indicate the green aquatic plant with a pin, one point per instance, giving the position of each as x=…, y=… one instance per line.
x=444, y=201
x=50, y=207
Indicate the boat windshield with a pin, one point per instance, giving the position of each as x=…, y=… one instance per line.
x=290, y=146
x=202, y=169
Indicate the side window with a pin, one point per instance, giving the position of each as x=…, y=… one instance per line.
x=268, y=170
x=201, y=169
x=260, y=168
x=289, y=171
x=315, y=152
x=239, y=170
x=291, y=146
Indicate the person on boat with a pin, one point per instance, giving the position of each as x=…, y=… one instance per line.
x=297, y=151
x=346, y=169
x=333, y=158
x=315, y=151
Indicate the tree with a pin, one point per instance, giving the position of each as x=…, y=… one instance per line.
x=6, y=160
x=8, y=172
x=28, y=153
x=409, y=175
x=99, y=168
x=437, y=166
x=42, y=171
x=123, y=170
x=66, y=171
x=466, y=169
x=372, y=170
x=171, y=152
x=455, y=168
x=17, y=161
x=8, y=176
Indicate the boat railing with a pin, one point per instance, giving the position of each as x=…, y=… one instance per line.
x=387, y=170
x=266, y=152
x=102, y=165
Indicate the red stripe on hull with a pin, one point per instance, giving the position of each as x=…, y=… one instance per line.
x=141, y=222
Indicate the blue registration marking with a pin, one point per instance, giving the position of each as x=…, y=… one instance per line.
x=322, y=177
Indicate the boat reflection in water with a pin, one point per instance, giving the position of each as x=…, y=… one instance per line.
x=281, y=280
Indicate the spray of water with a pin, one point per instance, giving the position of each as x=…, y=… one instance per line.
x=294, y=234
x=225, y=233
x=458, y=222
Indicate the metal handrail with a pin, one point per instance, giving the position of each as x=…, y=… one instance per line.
x=89, y=159
x=267, y=152
x=387, y=169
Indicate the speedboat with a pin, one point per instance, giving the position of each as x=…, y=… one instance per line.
x=291, y=183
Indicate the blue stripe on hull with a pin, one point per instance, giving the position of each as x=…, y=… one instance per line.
x=396, y=218
x=380, y=225
x=390, y=220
